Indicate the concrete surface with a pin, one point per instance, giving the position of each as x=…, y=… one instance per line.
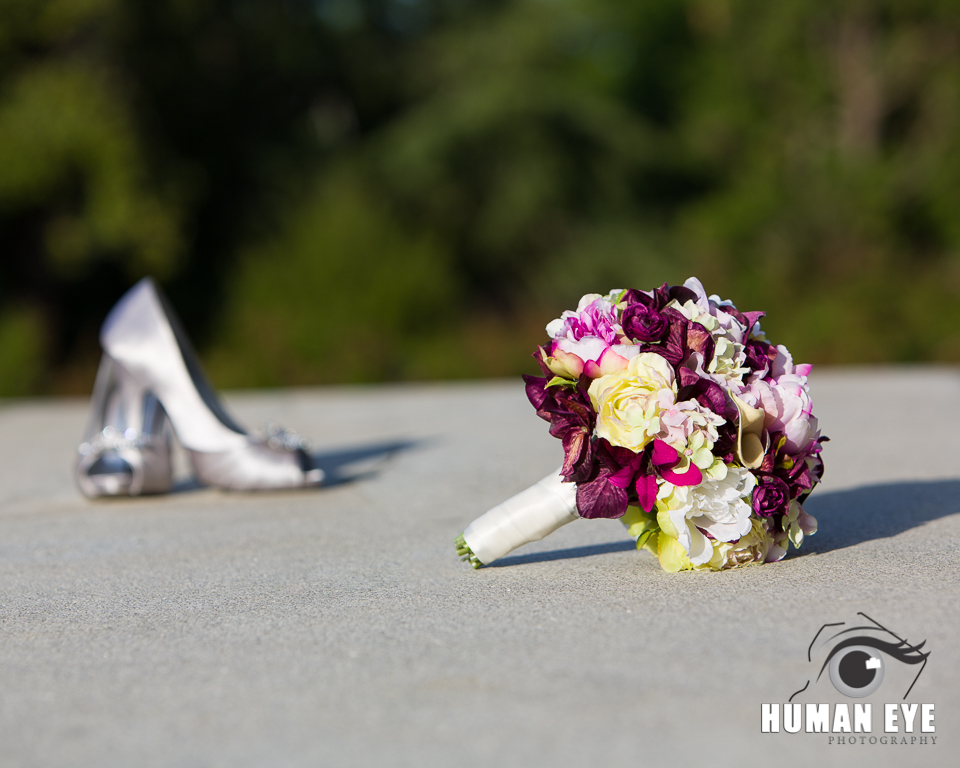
x=336, y=627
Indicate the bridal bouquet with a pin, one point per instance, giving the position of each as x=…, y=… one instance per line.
x=678, y=417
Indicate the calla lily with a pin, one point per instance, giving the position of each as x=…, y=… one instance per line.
x=750, y=445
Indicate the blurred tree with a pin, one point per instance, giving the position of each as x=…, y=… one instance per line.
x=832, y=132
x=803, y=155
x=325, y=315
x=338, y=190
x=139, y=137
x=75, y=187
x=527, y=145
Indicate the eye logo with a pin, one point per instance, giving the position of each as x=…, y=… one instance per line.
x=856, y=671
x=856, y=664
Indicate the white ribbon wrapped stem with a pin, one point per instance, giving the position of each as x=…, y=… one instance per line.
x=528, y=516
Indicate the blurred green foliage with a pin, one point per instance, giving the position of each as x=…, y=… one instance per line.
x=352, y=299
x=360, y=190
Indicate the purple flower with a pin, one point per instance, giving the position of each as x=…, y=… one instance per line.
x=644, y=323
x=801, y=472
x=605, y=494
x=771, y=496
x=571, y=421
x=621, y=476
x=706, y=392
x=757, y=357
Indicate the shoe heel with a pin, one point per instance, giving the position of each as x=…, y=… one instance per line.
x=126, y=450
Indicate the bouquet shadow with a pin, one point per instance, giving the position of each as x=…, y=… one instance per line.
x=564, y=554
x=847, y=518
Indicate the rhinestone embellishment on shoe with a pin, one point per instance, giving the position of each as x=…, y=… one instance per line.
x=277, y=437
x=112, y=439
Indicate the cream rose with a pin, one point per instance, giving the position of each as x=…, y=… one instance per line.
x=629, y=402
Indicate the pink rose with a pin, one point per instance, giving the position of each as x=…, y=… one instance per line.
x=588, y=340
x=783, y=364
x=788, y=409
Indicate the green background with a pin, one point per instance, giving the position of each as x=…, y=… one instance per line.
x=369, y=190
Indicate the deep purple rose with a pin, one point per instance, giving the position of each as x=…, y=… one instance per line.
x=644, y=323
x=758, y=357
x=771, y=496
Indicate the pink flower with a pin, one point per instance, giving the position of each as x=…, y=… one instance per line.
x=783, y=364
x=595, y=317
x=610, y=361
x=588, y=340
x=788, y=409
x=691, y=429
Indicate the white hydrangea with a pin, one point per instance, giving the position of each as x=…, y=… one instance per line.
x=720, y=505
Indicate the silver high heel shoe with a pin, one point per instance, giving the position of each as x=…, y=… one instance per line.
x=144, y=343
x=126, y=448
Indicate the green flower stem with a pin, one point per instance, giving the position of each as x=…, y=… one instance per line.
x=465, y=553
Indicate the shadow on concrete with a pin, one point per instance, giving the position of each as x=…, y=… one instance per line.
x=340, y=466
x=348, y=465
x=848, y=518
x=564, y=554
